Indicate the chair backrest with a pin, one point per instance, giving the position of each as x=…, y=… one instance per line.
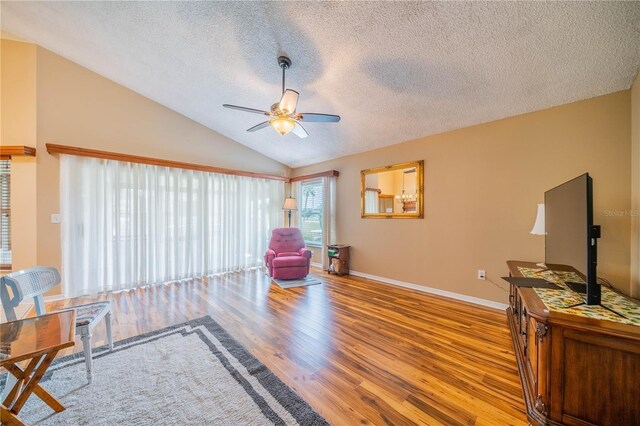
x=286, y=239
x=32, y=282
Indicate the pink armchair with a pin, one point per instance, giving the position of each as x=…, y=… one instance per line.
x=287, y=257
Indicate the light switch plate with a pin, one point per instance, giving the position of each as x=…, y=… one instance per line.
x=55, y=218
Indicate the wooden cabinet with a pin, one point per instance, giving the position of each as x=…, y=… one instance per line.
x=338, y=259
x=574, y=370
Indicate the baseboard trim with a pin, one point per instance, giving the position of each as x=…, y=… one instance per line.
x=317, y=265
x=425, y=289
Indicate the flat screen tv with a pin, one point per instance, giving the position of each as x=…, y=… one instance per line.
x=571, y=237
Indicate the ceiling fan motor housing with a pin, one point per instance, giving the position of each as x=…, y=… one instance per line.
x=284, y=62
x=275, y=109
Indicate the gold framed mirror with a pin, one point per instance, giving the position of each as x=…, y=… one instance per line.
x=393, y=192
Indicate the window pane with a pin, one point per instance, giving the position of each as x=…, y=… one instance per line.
x=311, y=212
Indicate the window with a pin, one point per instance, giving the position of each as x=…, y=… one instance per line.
x=311, y=212
x=5, y=214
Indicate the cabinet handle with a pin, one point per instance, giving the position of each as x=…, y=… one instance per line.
x=541, y=331
x=539, y=405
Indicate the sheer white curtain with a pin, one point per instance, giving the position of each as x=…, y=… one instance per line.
x=126, y=225
x=329, y=217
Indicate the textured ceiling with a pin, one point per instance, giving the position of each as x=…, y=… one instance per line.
x=393, y=71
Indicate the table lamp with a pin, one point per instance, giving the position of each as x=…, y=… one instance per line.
x=538, y=226
x=290, y=204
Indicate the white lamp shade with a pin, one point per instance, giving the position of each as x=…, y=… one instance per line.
x=290, y=204
x=538, y=227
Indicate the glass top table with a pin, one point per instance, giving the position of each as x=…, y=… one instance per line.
x=36, y=342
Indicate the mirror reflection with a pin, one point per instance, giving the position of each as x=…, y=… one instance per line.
x=393, y=191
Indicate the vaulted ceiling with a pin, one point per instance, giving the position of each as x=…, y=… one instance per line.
x=393, y=71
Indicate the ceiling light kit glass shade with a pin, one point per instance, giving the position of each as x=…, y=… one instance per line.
x=538, y=226
x=282, y=125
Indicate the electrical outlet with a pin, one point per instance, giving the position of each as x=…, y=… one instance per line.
x=55, y=218
x=482, y=274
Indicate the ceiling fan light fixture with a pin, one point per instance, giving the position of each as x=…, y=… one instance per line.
x=283, y=116
x=283, y=125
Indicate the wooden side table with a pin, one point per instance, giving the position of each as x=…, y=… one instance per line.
x=36, y=340
x=338, y=259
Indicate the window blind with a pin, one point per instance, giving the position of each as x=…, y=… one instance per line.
x=5, y=214
x=311, y=211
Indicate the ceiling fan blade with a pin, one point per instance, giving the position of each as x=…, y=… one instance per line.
x=258, y=126
x=289, y=101
x=299, y=131
x=317, y=118
x=245, y=109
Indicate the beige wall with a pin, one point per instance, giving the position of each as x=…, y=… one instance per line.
x=18, y=127
x=482, y=185
x=18, y=85
x=77, y=107
x=24, y=229
x=635, y=188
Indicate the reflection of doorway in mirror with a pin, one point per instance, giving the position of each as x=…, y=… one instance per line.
x=379, y=192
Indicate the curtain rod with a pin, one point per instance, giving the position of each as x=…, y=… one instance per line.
x=106, y=155
x=9, y=151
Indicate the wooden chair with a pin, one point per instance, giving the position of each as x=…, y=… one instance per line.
x=34, y=282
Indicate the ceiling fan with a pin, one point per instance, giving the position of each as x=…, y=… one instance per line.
x=283, y=116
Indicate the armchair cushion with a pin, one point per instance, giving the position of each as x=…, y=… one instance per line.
x=289, y=261
x=86, y=314
x=289, y=253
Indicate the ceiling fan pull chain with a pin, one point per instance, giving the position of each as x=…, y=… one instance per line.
x=283, y=71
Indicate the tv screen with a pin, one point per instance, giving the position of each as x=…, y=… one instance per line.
x=566, y=224
x=570, y=235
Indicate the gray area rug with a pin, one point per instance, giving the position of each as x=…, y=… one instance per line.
x=189, y=374
x=308, y=280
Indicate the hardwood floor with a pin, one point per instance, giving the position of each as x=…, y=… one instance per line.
x=358, y=351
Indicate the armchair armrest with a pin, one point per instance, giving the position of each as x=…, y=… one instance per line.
x=269, y=256
x=305, y=252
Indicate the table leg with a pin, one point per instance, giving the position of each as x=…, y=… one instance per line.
x=32, y=385
x=9, y=419
x=20, y=377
